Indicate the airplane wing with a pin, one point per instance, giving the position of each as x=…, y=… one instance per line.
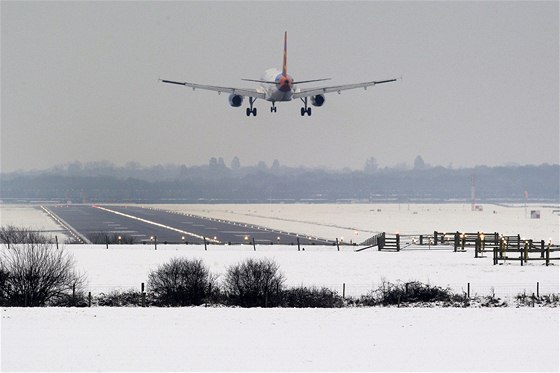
x=247, y=92
x=307, y=92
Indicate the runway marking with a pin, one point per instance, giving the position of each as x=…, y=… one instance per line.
x=157, y=224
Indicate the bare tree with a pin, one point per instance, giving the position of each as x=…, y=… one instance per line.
x=254, y=283
x=37, y=274
x=181, y=282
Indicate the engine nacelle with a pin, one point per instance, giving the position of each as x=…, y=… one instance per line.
x=318, y=100
x=235, y=100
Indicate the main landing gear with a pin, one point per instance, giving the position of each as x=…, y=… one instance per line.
x=251, y=109
x=305, y=109
x=273, y=107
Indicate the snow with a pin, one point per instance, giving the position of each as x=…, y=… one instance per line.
x=233, y=339
x=350, y=339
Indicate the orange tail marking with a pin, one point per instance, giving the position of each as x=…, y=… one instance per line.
x=285, y=65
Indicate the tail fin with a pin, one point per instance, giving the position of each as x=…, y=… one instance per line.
x=285, y=65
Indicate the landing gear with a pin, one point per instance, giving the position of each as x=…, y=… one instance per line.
x=305, y=109
x=273, y=107
x=251, y=109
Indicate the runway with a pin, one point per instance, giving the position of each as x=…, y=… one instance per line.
x=146, y=225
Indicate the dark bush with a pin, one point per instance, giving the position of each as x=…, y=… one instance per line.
x=301, y=297
x=10, y=234
x=37, y=274
x=407, y=293
x=182, y=282
x=126, y=298
x=109, y=238
x=254, y=283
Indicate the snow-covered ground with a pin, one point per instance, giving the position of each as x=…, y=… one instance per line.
x=438, y=339
x=228, y=339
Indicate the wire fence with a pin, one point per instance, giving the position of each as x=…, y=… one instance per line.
x=356, y=290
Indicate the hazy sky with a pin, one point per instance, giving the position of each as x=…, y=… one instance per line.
x=79, y=81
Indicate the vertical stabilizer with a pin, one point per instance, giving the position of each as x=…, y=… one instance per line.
x=285, y=64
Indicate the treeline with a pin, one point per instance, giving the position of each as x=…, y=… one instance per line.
x=218, y=183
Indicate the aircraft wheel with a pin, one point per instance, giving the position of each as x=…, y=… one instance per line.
x=248, y=112
x=309, y=111
x=302, y=112
x=254, y=112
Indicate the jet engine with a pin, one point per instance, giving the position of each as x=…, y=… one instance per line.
x=318, y=100
x=235, y=100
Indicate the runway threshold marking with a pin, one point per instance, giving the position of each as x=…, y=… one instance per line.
x=157, y=224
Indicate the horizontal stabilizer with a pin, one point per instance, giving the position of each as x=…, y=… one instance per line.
x=299, y=82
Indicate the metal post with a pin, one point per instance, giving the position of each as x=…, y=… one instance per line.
x=398, y=239
x=205, y=244
x=468, y=290
x=298, y=248
x=56, y=239
x=537, y=289
x=337, y=245
x=343, y=290
x=89, y=299
x=435, y=238
x=254, y=246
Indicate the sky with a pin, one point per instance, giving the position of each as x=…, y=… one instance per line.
x=80, y=82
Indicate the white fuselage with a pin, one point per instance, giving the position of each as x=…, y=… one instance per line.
x=275, y=92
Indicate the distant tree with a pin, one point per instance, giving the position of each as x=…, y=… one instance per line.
x=213, y=162
x=235, y=163
x=275, y=165
x=371, y=165
x=419, y=163
x=221, y=163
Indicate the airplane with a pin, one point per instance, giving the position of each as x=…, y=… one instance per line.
x=278, y=86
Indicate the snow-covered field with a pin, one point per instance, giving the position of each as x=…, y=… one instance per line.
x=434, y=339
x=210, y=339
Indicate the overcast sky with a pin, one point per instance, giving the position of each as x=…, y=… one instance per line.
x=79, y=81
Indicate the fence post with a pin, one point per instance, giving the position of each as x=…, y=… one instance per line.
x=537, y=289
x=205, y=244
x=421, y=240
x=106, y=242
x=56, y=239
x=548, y=253
x=476, y=245
x=73, y=294
x=89, y=299
x=398, y=242
x=298, y=248
x=456, y=242
x=343, y=290
x=254, y=247
x=435, y=238
x=468, y=290
x=542, y=248
x=337, y=245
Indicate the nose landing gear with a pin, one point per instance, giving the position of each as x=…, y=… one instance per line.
x=273, y=107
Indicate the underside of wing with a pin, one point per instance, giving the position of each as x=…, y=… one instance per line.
x=307, y=92
x=247, y=92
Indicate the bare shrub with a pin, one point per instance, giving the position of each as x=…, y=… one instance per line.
x=301, y=297
x=413, y=292
x=254, y=283
x=109, y=238
x=181, y=282
x=36, y=274
x=126, y=298
x=10, y=234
